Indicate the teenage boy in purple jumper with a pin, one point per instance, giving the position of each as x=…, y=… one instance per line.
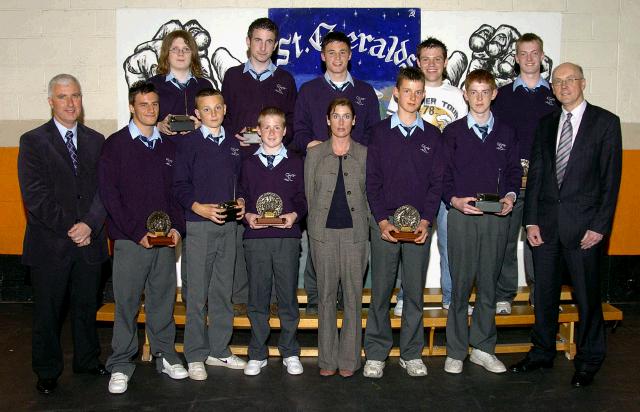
x=521, y=105
x=482, y=157
x=207, y=169
x=273, y=252
x=135, y=174
x=310, y=123
x=404, y=167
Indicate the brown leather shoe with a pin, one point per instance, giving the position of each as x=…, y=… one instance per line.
x=327, y=372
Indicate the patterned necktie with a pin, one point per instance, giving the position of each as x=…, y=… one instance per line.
x=338, y=88
x=147, y=142
x=181, y=86
x=564, y=149
x=72, y=151
x=214, y=139
x=270, y=159
x=408, y=130
x=484, y=131
x=258, y=76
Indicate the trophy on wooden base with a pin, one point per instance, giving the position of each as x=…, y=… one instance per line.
x=490, y=202
x=269, y=206
x=251, y=135
x=182, y=122
x=525, y=171
x=406, y=218
x=159, y=224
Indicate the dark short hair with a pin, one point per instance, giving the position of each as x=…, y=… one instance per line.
x=340, y=101
x=431, y=43
x=207, y=91
x=263, y=23
x=140, y=87
x=480, y=76
x=409, y=73
x=272, y=111
x=335, y=36
x=529, y=37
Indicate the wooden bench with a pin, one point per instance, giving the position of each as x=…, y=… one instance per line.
x=434, y=318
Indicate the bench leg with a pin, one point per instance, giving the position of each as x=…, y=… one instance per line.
x=432, y=332
x=146, y=349
x=567, y=336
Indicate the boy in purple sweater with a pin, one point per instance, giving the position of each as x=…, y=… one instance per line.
x=135, y=173
x=207, y=168
x=272, y=252
x=522, y=104
x=482, y=157
x=404, y=167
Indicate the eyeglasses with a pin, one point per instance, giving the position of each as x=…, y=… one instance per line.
x=569, y=81
x=177, y=50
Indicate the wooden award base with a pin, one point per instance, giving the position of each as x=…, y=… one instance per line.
x=489, y=207
x=160, y=241
x=523, y=183
x=270, y=221
x=404, y=236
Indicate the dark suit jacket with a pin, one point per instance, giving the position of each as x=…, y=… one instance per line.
x=55, y=199
x=587, y=198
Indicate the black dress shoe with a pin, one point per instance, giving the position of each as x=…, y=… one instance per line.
x=582, y=378
x=46, y=386
x=99, y=370
x=529, y=365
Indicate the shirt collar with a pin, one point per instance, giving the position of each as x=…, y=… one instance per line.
x=170, y=77
x=135, y=132
x=206, y=132
x=349, y=79
x=396, y=122
x=63, y=129
x=282, y=152
x=577, y=112
x=248, y=67
x=541, y=83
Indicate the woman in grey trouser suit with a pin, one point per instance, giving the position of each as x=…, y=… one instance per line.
x=337, y=223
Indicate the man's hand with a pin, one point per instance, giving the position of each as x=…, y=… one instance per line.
x=507, y=205
x=462, y=204
x=313, y=143
x=385, y=231
x=242, y=139
x=209, y=211
x=163, y=126
x=86, y=242
x=242, y=210
x=79, y=233
x=144, y=242
x=590, y=239
x=175, y=237
x=251, y=220
x=423, y=231
x=533, y=235
x=290, y=219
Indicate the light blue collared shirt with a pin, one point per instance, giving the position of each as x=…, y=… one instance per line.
x=206, y=132
x=471, y=123
x=396, y=122
x=541, y=83
x=282, y=153
x=170, y=78
x=331, y=82
x=248, y=67
x=63, y=131
x=135, y=132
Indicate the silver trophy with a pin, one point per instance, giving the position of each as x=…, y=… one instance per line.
x=269, y=206
x=406, y=218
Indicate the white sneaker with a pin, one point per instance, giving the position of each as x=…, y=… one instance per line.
x=487, y=361
x=197, y=371
x=397, y=310
x=294, y=367
x=232, y=362
x=453, y=365
x=254, y=366
x=176, y=371
x=414, y=367
x=118, y=383
x=503, y=308
x=373, y=369
x=446, y=306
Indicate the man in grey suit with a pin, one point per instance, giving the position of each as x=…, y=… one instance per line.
x=573, y=184
x=65, y=243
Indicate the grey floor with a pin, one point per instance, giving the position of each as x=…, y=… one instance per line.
x=617, y=386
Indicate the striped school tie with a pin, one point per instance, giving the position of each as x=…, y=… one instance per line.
x=564, y=149
x=72, y=151
x=270, y=159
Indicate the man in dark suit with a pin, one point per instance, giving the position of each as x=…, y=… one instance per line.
x=65, y=243
x=573, y=185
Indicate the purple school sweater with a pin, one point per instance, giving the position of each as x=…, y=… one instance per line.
x=172, y=99
x=286, y=180
x=473, y=166
x=245, y=97
x=135, y=181
x=403, y=170
x=311, y=111
x=522, y=110
x=205, y=172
